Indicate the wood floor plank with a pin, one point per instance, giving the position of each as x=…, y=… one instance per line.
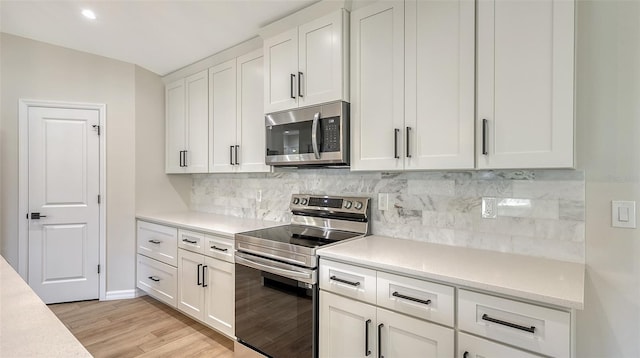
x=140, y=327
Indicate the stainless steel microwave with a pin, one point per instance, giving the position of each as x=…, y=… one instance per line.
x=317, y=135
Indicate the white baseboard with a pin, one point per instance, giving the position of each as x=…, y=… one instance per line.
x=123, y=294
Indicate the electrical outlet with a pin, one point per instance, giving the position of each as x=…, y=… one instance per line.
x=383, y=201
x=489, y=208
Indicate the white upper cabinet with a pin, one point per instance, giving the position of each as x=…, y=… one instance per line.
x=413, y=85
x=377, y=86
x=237, y=129
x=187, y=125
x=307, y=65
x=439, y=84
x=525, y=83
x=250, y=125
x=281, y=70
x=175, y=126
x=222, y=106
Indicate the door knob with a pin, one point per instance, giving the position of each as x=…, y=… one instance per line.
x=37, y=216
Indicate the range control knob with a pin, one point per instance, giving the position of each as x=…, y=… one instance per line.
x=358, y=205
x=347, y=204
x=296, y=201
x=304, y=201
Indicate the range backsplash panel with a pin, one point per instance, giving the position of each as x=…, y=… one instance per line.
x=540, y=212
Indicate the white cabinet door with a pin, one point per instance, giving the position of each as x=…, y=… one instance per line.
x=347, y=327
x=222, y=104
x=525, y=84
x=250, y=115
x=190, y=291
x=474, y=347
x=322, y=59
x=197, y=108
x=157, y=279
x=175, y=126
x=403, y=336
x=281, y=71
x=377, y=86
x=439, y=84
x=220, y=295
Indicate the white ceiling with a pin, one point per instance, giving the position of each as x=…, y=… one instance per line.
x=161, y=36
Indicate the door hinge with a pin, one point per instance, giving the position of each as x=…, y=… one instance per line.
x=98, y=198
x=98, y=268
x=97, y=128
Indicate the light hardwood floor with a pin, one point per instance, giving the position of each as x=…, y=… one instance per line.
x=140, y=327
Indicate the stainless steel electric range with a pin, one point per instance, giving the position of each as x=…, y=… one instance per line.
x=276, y=273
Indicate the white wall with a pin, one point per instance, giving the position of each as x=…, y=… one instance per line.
x=37, y=70
x=608, y=145
x=155, y=191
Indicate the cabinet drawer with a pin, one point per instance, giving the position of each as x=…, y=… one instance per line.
x=219, y=248
x=473, y=347
x=190, y=240
x=422, y=299
x=347, y=280
x=158, y=242
x=535, y=328
x=157, y=279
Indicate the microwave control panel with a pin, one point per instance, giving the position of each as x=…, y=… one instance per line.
x=330, y=134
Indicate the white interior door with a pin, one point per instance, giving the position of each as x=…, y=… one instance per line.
x=64, y=162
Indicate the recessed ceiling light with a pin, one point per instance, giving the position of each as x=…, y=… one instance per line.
x=89, y=14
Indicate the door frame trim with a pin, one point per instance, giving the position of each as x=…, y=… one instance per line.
x=23, y=182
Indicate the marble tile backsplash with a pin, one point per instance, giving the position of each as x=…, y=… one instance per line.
x=540, y=212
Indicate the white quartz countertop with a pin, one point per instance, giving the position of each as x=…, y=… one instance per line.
x=543, y=280
x=28, y=328
x=209, y=223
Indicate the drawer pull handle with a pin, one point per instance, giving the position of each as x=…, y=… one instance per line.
x=204, y=280
x=157, y=242
x=189, y=241
x=154, y=278
x=198, y=269
x=219, y=248
x=531, y=329
x=424, y=302
x=380, y=340
x=367, y=352
x=356, y=284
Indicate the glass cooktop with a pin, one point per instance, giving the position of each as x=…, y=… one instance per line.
x=306, y=236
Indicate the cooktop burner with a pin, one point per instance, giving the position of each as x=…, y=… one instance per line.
x=306, y=236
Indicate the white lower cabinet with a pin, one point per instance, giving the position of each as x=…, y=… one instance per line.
x=355, y=323
x=220, y=295
x=473, y=347
x=349, y=328
x=535, y=328
x=190, y=290
x=156, y=261
x=206, y=290
x=369, y=313
x=189, y=270
x=346, y=327
x=157, y=279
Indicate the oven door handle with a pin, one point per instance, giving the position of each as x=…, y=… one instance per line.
x=314, y=135
x=275, y=270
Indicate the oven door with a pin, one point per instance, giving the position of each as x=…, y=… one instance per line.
x=276, y=307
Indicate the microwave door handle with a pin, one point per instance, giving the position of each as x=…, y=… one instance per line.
x=314, y=135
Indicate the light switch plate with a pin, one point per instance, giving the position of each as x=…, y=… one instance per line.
x=383, y=201
x=489, y=208
x=623, y=214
